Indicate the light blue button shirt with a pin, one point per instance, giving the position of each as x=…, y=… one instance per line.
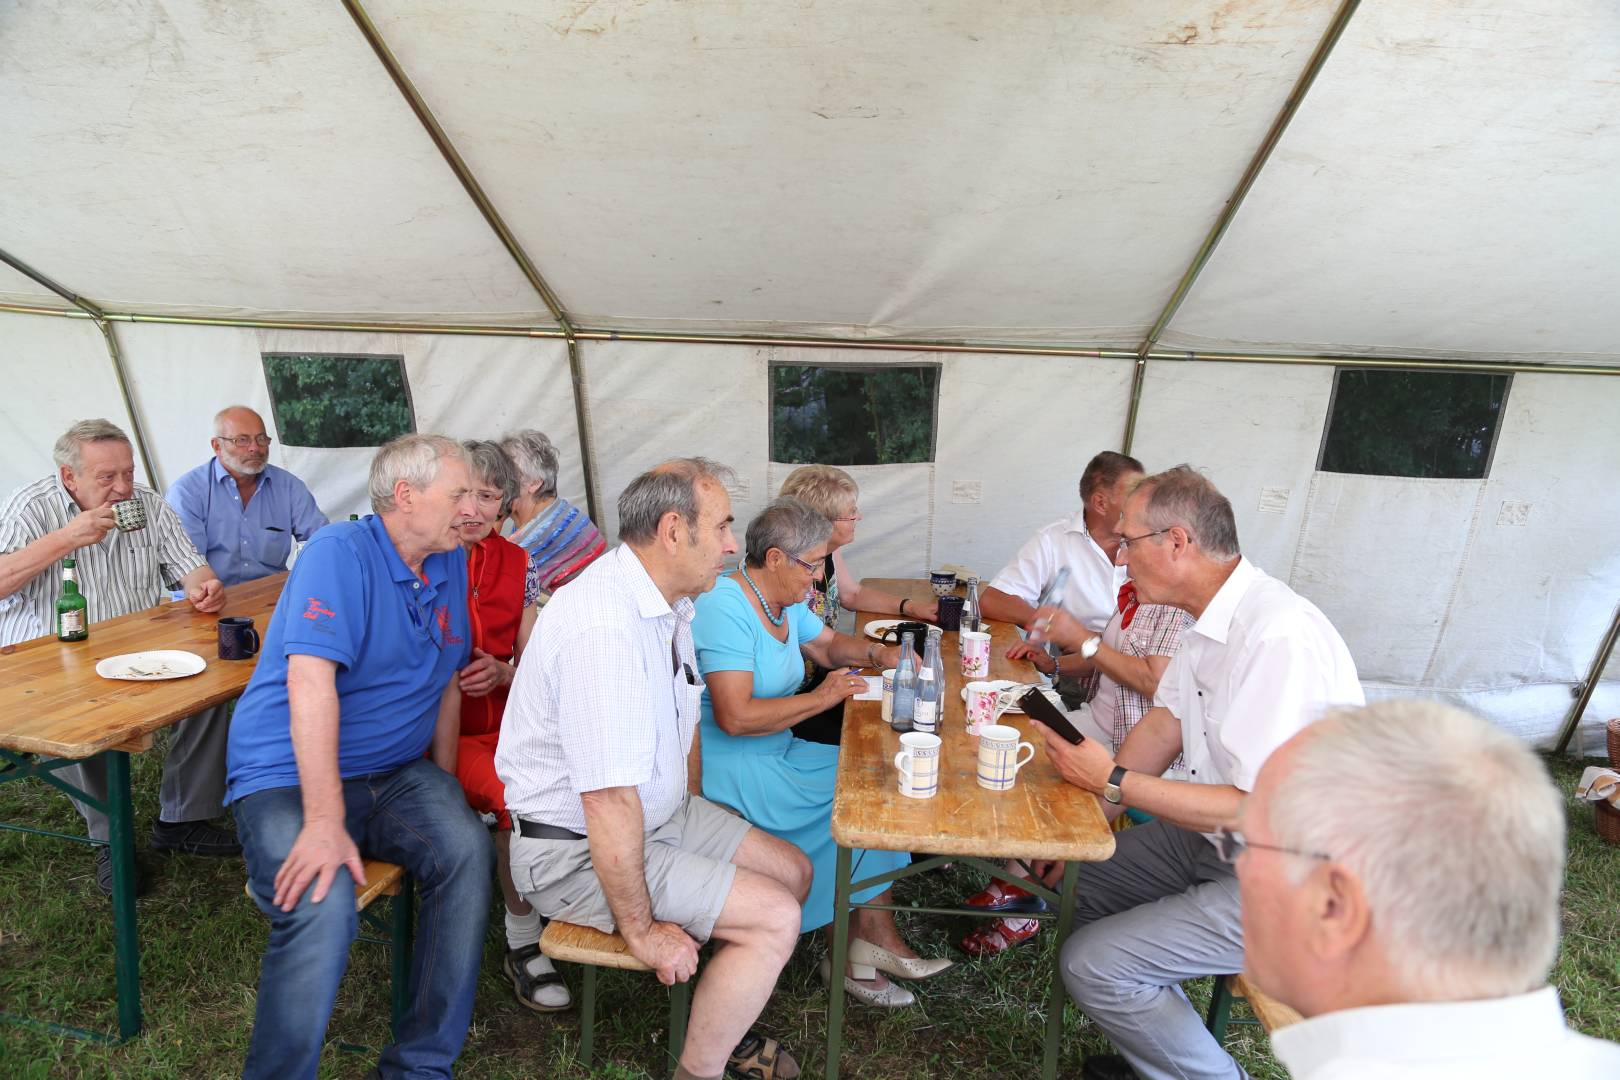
x=244, y=543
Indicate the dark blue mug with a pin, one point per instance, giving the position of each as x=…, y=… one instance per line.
x=237, y=638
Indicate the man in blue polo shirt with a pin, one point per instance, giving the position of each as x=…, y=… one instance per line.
x=242, y=512
x=354, y=686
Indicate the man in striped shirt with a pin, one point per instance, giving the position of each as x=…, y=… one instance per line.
x=70, y=513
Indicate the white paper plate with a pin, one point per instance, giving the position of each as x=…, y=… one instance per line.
x=1002, y=684
x=151, y=666
x=875, y=628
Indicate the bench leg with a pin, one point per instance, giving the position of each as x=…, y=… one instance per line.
x=680, y=1003
x=587, y=1016
x=1220, y=1008
x=402, y=933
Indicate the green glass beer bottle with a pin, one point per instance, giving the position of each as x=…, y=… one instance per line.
x=72, y=620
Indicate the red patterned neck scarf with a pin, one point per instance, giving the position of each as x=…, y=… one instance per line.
x=1127, y=603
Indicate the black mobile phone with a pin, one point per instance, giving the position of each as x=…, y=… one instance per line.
x=1038, y=706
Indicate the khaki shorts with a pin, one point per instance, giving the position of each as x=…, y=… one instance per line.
x=689, y=871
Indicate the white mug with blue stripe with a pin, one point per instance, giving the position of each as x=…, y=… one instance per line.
x=918, y=762
x=999, y=758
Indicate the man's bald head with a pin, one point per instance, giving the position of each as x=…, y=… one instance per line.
x=240, y=442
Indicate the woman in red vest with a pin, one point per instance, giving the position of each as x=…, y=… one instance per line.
x=502, y=590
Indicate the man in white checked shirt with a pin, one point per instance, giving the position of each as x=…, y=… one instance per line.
x=70, y=513
x=601, y=766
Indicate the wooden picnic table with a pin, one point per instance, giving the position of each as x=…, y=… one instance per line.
x=55, y=711
x=1042, y=817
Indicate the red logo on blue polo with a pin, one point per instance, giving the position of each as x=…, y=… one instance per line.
x=442, y=613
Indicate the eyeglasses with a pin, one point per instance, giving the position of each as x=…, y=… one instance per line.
x=1127, y=541
x=853, y=515
x=810, y=566
x=242, y=442
x=1229, y=844
x=487, y=497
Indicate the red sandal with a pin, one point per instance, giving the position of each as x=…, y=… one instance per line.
x=999, y=936
x=1001, y=896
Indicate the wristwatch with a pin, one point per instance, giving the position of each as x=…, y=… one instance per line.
x=1111, y=790
x=1089, y=649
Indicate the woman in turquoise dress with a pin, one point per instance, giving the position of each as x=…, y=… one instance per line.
x=753, y=633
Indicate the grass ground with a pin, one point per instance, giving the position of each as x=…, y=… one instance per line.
x=201, y=942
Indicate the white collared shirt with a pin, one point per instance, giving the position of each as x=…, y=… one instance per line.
x=1260, y=663
x=1092, y=594
x=1512, y=1037
x=119, y=575
x=599, y=700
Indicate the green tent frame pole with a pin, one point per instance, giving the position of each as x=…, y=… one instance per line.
x=94, y=312
x=804, y=341
x=1589, y=687
x=486, y=207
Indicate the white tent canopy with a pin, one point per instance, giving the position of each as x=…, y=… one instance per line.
x=1026, y=182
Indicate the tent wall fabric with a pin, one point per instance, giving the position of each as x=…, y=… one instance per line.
x=200, y=158
x=1446, y=188
x=1042, y=178
x=56, y=372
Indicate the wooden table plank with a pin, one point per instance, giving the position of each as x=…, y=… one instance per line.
x=1042, y=817
x=52, y=702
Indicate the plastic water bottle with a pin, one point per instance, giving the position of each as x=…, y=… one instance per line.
x=930, y=687
x=901, y=717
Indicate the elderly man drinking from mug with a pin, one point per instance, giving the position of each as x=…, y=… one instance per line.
x=121, y=570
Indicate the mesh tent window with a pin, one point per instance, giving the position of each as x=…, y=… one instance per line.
x=851, y=414
x=1426, y=424
x=337, y=400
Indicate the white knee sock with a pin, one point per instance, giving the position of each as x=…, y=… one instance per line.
x=522, y=930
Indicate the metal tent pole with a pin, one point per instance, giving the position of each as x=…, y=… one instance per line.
x=1223, y=221
x=1587, y=688
x=476, y=192
x=93, y=311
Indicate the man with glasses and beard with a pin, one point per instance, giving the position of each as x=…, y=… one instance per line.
x=242, y=512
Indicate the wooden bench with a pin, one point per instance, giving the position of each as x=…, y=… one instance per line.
x=1269, y=1013
x=390, y=880
x=591, y=949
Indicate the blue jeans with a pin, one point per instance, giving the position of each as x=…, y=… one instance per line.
x=418, y=817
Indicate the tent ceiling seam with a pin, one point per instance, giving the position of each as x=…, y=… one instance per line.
x=453, y=158
x=486, y=207
x=1262, y=154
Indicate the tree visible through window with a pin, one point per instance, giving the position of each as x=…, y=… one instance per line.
x=853, y=415
x=331, y=401
x=1438, y=425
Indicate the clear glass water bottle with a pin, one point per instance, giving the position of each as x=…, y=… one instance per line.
x=904, y=711
x=930, y=688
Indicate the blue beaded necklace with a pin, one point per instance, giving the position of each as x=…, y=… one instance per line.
x=776, y=620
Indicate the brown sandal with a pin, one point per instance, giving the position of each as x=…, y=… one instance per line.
x=758, y=1057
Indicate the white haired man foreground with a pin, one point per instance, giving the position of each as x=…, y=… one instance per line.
x=1400, y=868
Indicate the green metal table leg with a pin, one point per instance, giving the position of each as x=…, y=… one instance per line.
x=1059, y=996
x=1220, y=1009
x=121, y=841
x=401, y=936
x=587, y=1017
x=840, y=953
x=680, y=1004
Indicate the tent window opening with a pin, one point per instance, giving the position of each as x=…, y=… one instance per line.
x=1429, y=424
x=850, y=415
x=336, y=400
